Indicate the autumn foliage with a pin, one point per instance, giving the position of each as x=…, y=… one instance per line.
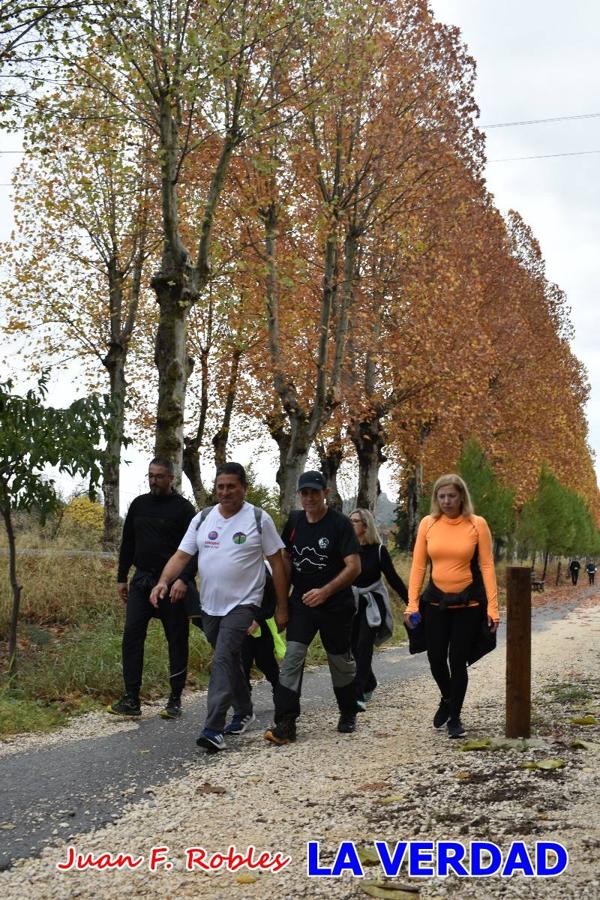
x=296, y=209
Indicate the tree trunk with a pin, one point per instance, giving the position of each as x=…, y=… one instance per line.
x=546, y=555
x=330, y=458
x=414, y=489
x=16, y=592
x=368, y=438
x=174, y=368
x=222, y=436
x=115, y=364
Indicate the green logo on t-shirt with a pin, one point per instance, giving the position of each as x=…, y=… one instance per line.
x=239, y=538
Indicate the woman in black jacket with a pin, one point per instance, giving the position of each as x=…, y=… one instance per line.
x=373, y=622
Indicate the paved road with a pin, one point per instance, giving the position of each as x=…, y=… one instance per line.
x=51, y=793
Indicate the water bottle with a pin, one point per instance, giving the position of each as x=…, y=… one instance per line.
x=414, y=619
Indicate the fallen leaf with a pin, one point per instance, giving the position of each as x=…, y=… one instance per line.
x=7, y=826
x=545, y=764
x=207, y=788
x=246, y=879
x=368, y=856
x=584, y=720
x=584, y=745
x=463, y=775
x=388, y=801
x=476, y=744
x=377, y=889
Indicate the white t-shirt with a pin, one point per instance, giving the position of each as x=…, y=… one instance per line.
x=231, y=557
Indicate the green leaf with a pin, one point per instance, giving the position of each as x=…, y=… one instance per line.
x=368, y=856
x=476, y=744
x=545, y=765
x=584, y=745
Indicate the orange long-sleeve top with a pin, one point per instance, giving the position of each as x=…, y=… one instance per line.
x=450, y=545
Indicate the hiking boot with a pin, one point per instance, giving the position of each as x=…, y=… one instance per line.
x=281, y=733
x=211, y=740
x=442, y=715
x=347, y=723
x=455, y=728
x=172, y=709
x=128, y=705
x=239, y=723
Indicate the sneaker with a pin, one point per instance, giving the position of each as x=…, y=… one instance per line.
x=128, y=705
x=455, y=728
x=361, y=705
x=173, y=708
x=347, y=723
x=368, y=695
x=442, y=715
x=211, y=740
x=239, y=723
x=281, y=733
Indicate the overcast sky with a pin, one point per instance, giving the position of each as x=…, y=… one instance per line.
x=536, y=59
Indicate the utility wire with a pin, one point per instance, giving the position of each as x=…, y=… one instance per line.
x=543, y=156
x=540, y=121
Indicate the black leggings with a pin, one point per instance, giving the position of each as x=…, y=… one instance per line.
x=450, y=635
x=363, y=641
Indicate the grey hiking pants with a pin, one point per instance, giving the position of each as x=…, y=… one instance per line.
x=228, y=685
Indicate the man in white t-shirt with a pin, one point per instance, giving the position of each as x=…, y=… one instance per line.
x=232, y=540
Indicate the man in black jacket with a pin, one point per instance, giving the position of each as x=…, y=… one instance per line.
x=154, y=526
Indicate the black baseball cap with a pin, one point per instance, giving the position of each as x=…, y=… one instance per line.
x=314, y=480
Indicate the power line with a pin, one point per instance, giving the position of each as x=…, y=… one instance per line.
x=544, y=156
x=540, y=121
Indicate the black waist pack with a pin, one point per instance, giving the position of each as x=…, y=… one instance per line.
x=433, y=594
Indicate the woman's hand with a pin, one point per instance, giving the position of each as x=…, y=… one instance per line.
x=493, y=624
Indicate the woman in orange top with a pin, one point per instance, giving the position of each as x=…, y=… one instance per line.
x=450, y=537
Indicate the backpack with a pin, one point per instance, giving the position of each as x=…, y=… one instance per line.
x=257, y=517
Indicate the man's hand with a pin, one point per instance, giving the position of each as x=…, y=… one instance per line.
x=253, y=627
x=315, y=597
x=122, y=591
x=281, y=616
x=178, y=590
x=157, y=593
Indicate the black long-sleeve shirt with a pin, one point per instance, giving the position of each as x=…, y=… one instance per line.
x=373, y=566
x=153, y=529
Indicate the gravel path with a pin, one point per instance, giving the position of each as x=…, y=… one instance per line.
x=395, y=779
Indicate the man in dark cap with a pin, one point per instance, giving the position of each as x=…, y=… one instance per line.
x=323, y=558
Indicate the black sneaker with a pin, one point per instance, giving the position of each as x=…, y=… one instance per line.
x=347, y=723
x=126, y=706
x=442, y=715
x=455, y=728
x=281, y=733
x=173, y=708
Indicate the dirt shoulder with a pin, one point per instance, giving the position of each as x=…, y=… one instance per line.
x=396, y=779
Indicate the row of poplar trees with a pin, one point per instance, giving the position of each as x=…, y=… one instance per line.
x=268, y=219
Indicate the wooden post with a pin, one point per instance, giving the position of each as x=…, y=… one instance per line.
x=518, y=652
